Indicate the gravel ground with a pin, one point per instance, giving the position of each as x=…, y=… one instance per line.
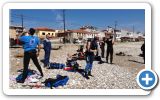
x=120, y=75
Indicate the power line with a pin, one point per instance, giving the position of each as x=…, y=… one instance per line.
x=21, y=17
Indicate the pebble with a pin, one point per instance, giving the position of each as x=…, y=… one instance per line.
x=106, y=76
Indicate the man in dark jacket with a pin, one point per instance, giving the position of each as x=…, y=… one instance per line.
x=110, y=43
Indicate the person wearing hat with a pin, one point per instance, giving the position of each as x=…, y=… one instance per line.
x=30, y=44
x=91, y=50
x=110, y=43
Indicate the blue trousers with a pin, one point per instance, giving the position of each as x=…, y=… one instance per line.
x=47, y=57
x=89, y=63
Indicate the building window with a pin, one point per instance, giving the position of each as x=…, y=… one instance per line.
x=52, y=33
x=43, y=33
x=48, y=33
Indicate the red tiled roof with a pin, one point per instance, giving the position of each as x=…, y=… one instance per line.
x=80, y=31
x=109, y=33
x=44, y=29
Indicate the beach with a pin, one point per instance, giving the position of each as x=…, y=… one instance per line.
x=119, y=75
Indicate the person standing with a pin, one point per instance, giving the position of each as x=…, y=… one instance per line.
x=30, y=44
x=91, y=50
x=110, y=43
x=47, y=49
x=143, y=51
x=102, y=45
x=99, y=52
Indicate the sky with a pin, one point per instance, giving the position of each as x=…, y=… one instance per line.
x=75, y=18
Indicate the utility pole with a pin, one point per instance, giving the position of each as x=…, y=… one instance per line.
x=64, y=25
x=133, y=29
x=22, y=22
x=115, y=27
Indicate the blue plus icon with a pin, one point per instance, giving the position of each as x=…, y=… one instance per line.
x=147, y=79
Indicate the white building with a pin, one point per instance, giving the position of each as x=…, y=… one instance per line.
x=93, y=32
x=130, y=35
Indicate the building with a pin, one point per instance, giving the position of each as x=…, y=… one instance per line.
x=110, y=31
x=72, y=35
x=77, y=34
x=14, y=31
x=126, y=35
x=42, y=32
x=81, y=34
x=93, y=32
x=123, y=34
